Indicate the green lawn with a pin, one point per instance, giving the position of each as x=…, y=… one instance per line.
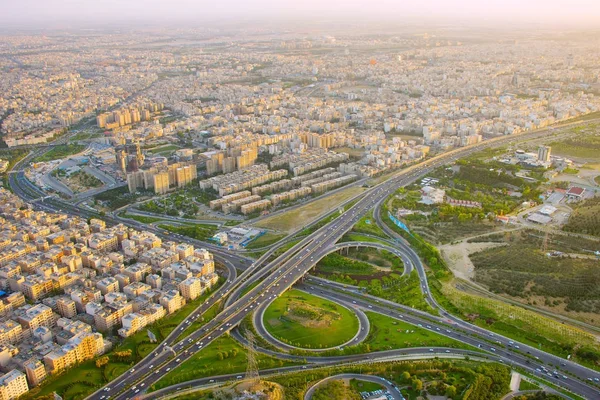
x=60, y=151
x=388, y=333
x=266, y=240
x=368, y=225
x=570, y=171
x=140, y=218
x=223, y=356
x=405, y=290
x=75, y=384
x=163, y=149
x=309, y=321
x=336, y=263
x=276, y=253
x=86, y=135
x=355, y=237
x=364, y=386
x=526, y=385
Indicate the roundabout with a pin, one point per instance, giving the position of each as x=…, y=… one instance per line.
x=299, y=320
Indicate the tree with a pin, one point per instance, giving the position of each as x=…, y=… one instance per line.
x=451, y=391
x=405, y=376
x=417, y=384
x=101, y=362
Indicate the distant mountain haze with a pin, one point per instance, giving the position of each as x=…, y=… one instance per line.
x=78, y=13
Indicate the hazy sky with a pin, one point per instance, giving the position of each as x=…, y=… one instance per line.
x=43, y=13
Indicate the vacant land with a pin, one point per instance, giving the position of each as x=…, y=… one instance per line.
x=308, y=321
x=61, y=151
x=355, y=154
x=567, y=282
x=585, y=217
x=457, y=256
x=584, y=145
x=79, y=181
x=294, y=219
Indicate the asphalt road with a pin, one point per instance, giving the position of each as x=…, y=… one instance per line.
x=291, y=270
x=282, y=277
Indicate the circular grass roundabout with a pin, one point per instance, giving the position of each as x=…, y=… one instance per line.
x=309, y=322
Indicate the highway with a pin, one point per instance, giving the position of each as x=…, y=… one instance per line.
x=289, y=268
x=295, y=267
x=508, y=351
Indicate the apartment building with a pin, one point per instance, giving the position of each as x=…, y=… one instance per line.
x=297, y=180
x=160, y=182
x=291, y=195
x=191, y=288
x=32, y=317
x=12, y=385
x=110, y=315
x=256, y=206
x=35, y=371
x=236, y=204
x=322, y=187
x=35, y=287
x=103, y=242
x=66, y=307
x=132, y=323
x=219, y=203
x=137, y=272
x=172, y=301
x=273, y=187
x=81, y=347
x=242, y=180
x=108, y=285
x=11, y=332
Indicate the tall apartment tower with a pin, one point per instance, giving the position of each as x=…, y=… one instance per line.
x=161, y=182
x=544, y=153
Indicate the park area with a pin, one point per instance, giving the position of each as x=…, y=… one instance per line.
x=310, y=322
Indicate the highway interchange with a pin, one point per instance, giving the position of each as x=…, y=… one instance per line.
x=280, y=274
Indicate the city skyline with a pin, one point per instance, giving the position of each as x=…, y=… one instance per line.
x=62, y=14
x=198, y=198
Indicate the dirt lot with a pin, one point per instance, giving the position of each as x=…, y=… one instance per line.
x=457, y=257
